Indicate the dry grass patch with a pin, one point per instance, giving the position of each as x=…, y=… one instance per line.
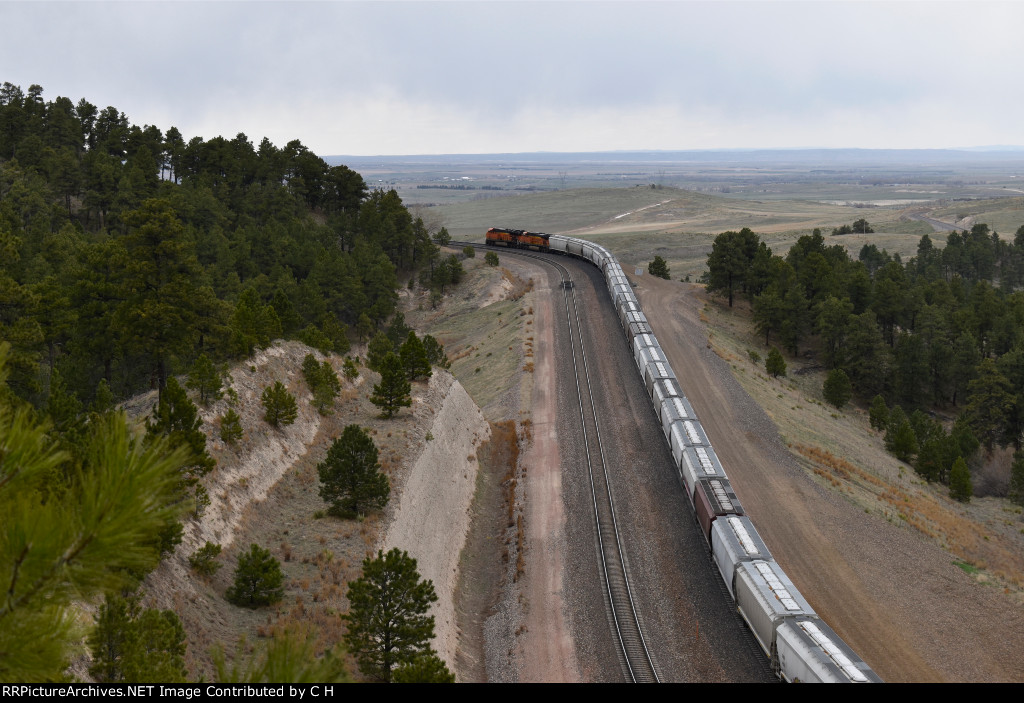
x=841, y=468
x=520, y=548
x=519, y=287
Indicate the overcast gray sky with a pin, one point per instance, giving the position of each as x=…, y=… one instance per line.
x=477, y=77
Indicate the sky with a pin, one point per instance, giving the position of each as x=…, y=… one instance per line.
x=423, y=77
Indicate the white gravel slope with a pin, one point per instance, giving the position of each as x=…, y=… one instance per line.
x=432, y=514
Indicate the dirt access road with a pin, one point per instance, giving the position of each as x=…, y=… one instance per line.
x=896, y=598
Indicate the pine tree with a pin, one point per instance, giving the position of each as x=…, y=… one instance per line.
x=398, y=331
x=837, y=390
x=414, y=357
x=350, y=476
x=254, y=324
x=206, y=379
x=285, y=311
x=659, y=268
x=393, y=390
x=729, y=261
x=769, y=313
x=88, y=542
x=896, y=418
x=312, y=336
x=832, y=321
x=104, y=400
x=878, y=413
x=350, y=369
x=925, y=428
x=435, y=353
x=388, y=625
x=289, y=657
x=177, y=418
x=899, y=437
x=960, y=482
x=279, y=404
x=231, y=426
x=336, y=333
x=160, y=312
x=930, y=462
x=323, y=383
x=258, y=579
x=379, y=347
x=65, y=411
x=867, y=356
x=202, y=560
x=455, y=270
x=364, y=327
x=108, y=640
x=795, y=319
x=311, y=371
x=131, y=644
x=990, y=403
x=423, y=668
x=1017, y=478
x=775, y=364
x=329, y=380
x=442, y=237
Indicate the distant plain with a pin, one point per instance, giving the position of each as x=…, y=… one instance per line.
x=674, y=203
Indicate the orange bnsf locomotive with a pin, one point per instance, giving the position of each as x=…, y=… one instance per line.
x=517, y=238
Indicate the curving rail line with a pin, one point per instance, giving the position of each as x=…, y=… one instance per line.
x=636, y=657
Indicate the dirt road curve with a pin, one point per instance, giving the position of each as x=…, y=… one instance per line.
x=894, y=597
x=550, y=657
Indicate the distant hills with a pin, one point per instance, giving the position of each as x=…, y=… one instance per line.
x=979, y=154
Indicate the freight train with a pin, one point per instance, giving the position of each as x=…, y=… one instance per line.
x=517, y=238
x=798, y=643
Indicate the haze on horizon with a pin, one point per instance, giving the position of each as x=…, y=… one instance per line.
x=373, y=78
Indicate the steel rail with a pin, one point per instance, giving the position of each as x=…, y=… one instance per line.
x=635, y=654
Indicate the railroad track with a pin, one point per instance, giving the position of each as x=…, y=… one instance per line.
x=635, y=656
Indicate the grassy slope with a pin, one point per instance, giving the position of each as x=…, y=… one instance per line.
x=845, y=454
x=488, y=346
x=1004, y=215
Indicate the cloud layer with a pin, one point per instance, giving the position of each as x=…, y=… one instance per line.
x=443, y=77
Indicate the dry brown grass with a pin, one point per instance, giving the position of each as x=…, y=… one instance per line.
x=505, y=441
x=519, y=286
x=836, y=466
x=520, y=549
x=933, y=516
x=461, y=354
